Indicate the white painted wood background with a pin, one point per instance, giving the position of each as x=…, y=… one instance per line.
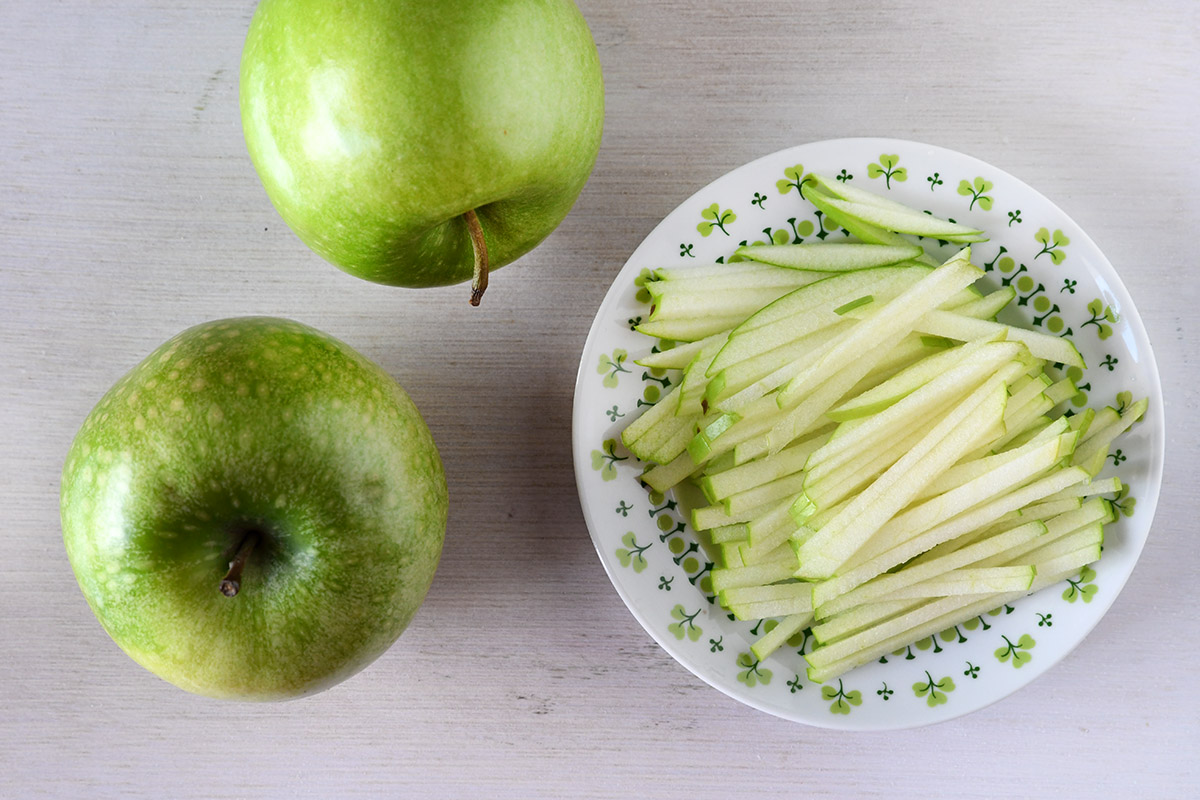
x=129, y=210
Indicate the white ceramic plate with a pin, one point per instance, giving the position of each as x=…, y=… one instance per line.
x=1064, y=286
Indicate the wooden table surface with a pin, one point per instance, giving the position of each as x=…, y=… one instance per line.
x=129, y=210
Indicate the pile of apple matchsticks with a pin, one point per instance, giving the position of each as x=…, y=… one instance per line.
x=881, y=459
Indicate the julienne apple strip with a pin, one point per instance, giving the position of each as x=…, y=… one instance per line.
x=836, y=542
x=830, y=257
x=878, y=453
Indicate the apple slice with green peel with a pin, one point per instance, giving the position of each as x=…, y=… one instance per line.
x=810, y=410
x=765, y=553
x=1040, y=550
x=693, y=384
x=1103, y=419
x=968, y=470
x=811, y=519
x=1026, y=388
x=728, y=302
x=1094, y=449
x=1061, y=391
x=1082, y=422
x=1021, y=424
x=826, y=663
x=830, y=257
x=1064, y=567
x=690, y=329
x=660, y=423
x=1096, y=509
x=767, y=527
x=1020, y=414
x=828, y=598
x=685, y=282
x=699, y=446
x=871, y=562
x=961, y=302
x=667, y=449
x=911, y=349
x=761, y=547
x=849, y=194
x=808, y=415
x=1015, y=438
x=882, y=555
x=769, y=370
x=1065, y=555
x=890, y=323
x=832, y=486
x=1056, y=525
x=743, y=595
x=859, y=229
x=735, y=271
x=705, y=517
x=880, y=212
x=987, y=306
x=910, y=222
x=838, y=540
x=1054, y=349
x=1023, y=467
x=729, y=556
x=755, y=419
x=832, y=291
x=759, y=392
x=841, y=191
x=679, y=356
x=1049, y=508
x=968, y=581
x=1088, y=538
x=734, y=532
x=741, y=477
x=811, y=308
x=912, y=378
x=833, y=629
x=775, y=638
x=660, y=413
x=977, y=363
x=756, y=575
x=1097, y=486
x=664, y=477
x=786, y=487
x=771, y=608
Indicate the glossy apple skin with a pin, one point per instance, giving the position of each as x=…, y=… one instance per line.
x=254, y=424
x=376, y=124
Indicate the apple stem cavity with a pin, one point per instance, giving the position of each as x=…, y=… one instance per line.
x=479, y=279
x=232, y=582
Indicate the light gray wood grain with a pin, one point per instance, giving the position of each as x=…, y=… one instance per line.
x=129, y=210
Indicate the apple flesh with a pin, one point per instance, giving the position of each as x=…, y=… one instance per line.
x=255, y=511
x=420, y=144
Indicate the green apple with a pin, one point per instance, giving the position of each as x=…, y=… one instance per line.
x=255, y=511
x=418, y=143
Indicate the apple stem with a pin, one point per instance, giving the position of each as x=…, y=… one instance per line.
x=479, y=279
x=232, y=581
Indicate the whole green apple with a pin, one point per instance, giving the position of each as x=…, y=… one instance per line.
x=422, y=142
x=255, y=511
